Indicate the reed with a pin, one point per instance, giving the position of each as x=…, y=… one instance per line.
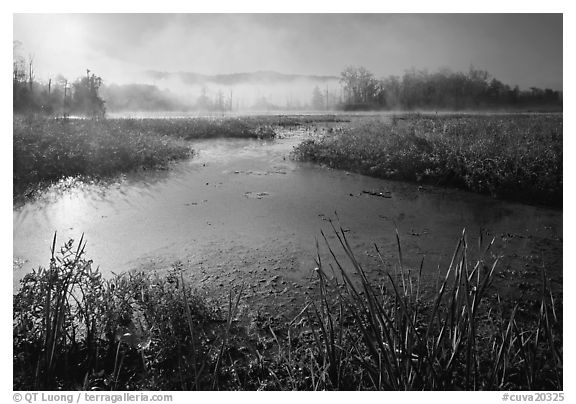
x=388, y=338
x=72, y=329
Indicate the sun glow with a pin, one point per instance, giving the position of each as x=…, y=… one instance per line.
x=60, y=49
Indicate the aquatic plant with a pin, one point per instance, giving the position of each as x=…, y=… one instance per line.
x=516, y=157
x=72, y=329
x=388, y=336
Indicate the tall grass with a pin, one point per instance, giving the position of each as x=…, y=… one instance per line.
x=386, y=337
x=514, y=156
x=75, y=330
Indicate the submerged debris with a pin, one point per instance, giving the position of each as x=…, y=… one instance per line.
x=256, y=195
x=385, y=194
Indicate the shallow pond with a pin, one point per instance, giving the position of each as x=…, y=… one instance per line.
x=241, y=209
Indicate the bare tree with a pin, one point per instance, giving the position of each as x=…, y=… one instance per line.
x=31, y=73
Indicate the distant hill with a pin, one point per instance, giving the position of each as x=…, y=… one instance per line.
x=260, y=77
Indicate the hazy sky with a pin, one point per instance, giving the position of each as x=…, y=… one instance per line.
x=523, y=49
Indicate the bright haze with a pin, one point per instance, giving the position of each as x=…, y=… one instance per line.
x=518, y=49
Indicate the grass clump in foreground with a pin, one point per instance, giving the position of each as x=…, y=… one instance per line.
x=75, y=330
x=389, y=336
x=513, y=156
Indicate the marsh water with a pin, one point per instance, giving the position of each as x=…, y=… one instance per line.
x=243, y=208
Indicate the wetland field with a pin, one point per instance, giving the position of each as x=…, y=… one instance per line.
x=371, y=251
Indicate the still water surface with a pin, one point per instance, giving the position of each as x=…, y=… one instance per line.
x=244, y=203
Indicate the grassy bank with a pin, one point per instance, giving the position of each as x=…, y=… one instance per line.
x=46, y=150
x=516, y=157
x=75, y=330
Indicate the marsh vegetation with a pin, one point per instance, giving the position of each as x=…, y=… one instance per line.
x=390, y=328
x=251, y=229
x=510, y=156
x=74, y=329
x=48, y=149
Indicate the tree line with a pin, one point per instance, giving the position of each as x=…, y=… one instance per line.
x=360, y=90
x=57, y=96
x=419, y=89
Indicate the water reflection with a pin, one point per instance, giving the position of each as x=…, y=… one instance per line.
x=199, y=208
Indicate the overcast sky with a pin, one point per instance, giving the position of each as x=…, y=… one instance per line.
x=523, y=49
